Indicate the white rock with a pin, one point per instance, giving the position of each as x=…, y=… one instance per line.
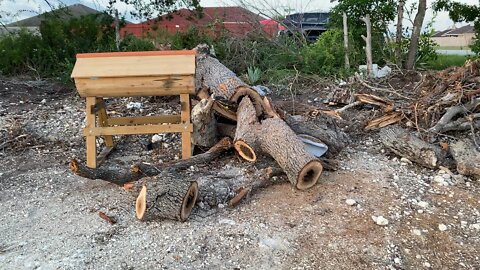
x=446, y=176
x=417, y=232
x=156, y=138
x=227, y=221
x=475, y=226
x=380, y=220
x=406, y=160
x=43, y=101
x=422, y=204
x=351, y=202
x=427, y=264
x=396, y=178
x=442, y=227
x=397, y=260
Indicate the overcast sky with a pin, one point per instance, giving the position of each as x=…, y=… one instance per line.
x=21, y=9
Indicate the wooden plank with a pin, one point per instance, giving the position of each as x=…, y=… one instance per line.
x=103, y=122
x=135, y=86
x=131, y=130
x=143, y=53
x=143, y=120
x=155, y=65
x=185, y=118
x=91, y=144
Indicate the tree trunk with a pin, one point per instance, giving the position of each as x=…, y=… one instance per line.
x=223, y=83
x=137, y=171
x=417, y=28
x=245, y=136
x=399, y=34
x=467, y=157
x=204, y=124
x=166, y=196
x=277, y=140
x=368, y=45
x=404, y=144
x=345, y=40
x=324, y=129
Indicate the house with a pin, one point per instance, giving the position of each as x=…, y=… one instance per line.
x=33, y=23
x=236, y=20
x=457, y=37
x=309, y=24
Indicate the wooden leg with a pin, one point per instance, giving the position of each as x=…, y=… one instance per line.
x=91, y=144
x=102, y=121
x=185, y=118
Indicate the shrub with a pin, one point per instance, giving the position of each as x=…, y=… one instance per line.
x=132, y=44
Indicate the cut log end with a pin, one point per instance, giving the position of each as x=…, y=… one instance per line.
x=189, y=201
x=141, y=204
x=245, y=151
x=309, y=175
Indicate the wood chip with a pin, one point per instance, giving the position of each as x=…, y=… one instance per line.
x=106, y=218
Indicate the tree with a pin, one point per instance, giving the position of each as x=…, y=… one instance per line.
x=145, y=9
x=399, y=33
x=459, y=12
x=416, y=31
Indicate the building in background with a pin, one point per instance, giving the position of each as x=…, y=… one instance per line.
x=460, y=38
x=310, y=24
x=236, y=21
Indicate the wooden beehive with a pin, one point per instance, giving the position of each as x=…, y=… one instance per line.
x=122, y=74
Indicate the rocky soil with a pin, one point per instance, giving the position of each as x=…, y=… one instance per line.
x=376, y=212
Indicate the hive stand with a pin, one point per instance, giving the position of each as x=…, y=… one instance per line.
x=128, y=74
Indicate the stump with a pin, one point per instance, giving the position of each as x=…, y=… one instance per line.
x=467, y=158
x=166, y=196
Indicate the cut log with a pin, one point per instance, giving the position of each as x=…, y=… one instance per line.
x=467, y=157
x=245, y=137
x=404, y=144
x=323, y=128
x=166, y=197
x=223, y=83
x=121, y=176
x=204, y=124
x=277, y=140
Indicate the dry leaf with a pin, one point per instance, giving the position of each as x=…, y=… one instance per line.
x=444, y=146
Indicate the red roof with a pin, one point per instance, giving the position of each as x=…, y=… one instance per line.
x=236, y=20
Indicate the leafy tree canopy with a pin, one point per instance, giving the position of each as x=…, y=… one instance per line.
x=154, y=8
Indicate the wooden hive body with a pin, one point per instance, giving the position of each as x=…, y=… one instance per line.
x=122, y=74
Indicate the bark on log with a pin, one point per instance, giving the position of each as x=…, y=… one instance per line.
x=404, y=144
x=245, y=136
x=166, y=197
x=204, y=124
x=324, y=129
x=121, y=175
x=222, y=82
x=277, y=140
x=467, y=157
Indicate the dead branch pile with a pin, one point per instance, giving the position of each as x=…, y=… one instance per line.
x=442, y=108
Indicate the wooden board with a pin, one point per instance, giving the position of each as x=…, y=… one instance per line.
x=143, y=120
x=134, y=65
x=135, y=86
x=130, y=130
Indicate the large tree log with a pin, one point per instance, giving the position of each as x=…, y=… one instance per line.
x=277, y=140
x=323, y=128
x=467, y=157
x=137, y=171
x=166, y=197
x=404, y=144
x=222, y=82
x=245, y=136
x=204, y=124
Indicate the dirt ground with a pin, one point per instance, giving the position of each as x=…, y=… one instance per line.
x=49, y=218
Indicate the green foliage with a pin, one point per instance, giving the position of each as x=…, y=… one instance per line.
x=326, y=55
x=253, y=75
x=132, y=44
x=445, y=61
x=189, y=39
x=460, y=12
x=145, y=9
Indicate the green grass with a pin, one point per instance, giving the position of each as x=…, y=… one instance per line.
x=446, y=61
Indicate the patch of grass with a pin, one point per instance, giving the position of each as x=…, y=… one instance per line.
x=446, y=61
